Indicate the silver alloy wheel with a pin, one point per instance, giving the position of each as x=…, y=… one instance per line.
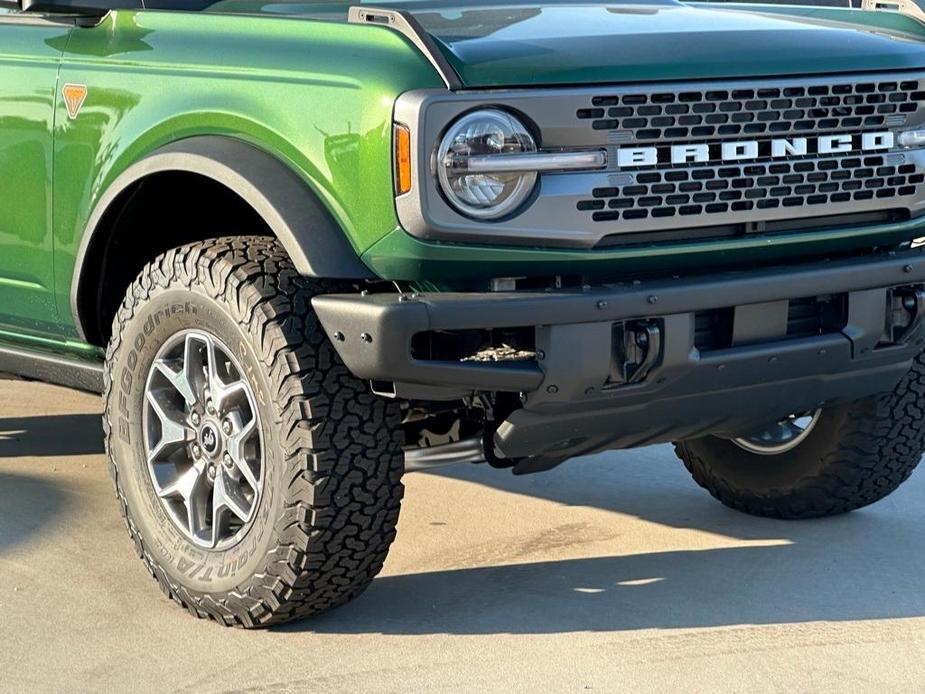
x=202, y=439
x=781, y=436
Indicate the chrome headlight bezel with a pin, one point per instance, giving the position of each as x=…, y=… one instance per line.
x=458, y=144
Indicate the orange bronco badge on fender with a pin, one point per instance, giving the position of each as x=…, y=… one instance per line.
x=74, y=97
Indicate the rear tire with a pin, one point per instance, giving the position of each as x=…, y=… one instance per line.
x=332, y=461
x=855, y=455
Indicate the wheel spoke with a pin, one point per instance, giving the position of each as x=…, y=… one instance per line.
x=226, y=497
x=219, y=390
x=223, y=392
x=197, y=508
x=194, y=361
x=191, y=489
x=235, y=446
x=173, y=432
x=185, y=483
x=178, y=379
x=233, y=500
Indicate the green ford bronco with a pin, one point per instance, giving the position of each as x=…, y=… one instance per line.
x=301, y=247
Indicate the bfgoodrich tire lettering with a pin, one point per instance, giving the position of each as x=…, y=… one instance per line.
x=857, y=454
x=332, y=451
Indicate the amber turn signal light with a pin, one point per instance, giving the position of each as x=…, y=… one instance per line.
x=402, y=159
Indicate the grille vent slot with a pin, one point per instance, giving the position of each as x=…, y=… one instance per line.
x=710, y=190
x=698, y=114
x=806, y=317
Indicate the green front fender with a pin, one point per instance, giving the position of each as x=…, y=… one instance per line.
x=317, y=96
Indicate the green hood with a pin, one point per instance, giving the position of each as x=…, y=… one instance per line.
x=511, y=44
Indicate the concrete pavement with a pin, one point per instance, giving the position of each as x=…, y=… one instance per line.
x=613, y=573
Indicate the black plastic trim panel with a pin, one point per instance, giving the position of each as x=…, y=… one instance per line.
x=569, y=406
x=390, y=320
x=314, y=241
x=73, y=373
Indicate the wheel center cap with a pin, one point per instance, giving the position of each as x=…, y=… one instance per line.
x=209, y=438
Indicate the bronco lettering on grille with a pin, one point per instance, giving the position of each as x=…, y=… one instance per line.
x=743, y=150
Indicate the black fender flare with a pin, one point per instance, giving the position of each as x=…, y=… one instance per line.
x=314, y=241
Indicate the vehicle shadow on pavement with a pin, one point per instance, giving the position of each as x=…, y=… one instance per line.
x=865, y=565
x=648, y=483
x=686, y=589
x=51, y=435
x=28, y=503
x=663, y=590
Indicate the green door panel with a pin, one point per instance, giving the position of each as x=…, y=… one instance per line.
x=316, y=95
x=30, y=51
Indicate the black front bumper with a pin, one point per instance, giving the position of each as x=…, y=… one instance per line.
x=571, y=405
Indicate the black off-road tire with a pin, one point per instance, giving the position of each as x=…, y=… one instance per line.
x=333, y=451
x=857, y=454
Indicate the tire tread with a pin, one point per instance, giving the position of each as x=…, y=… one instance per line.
x=342, y=446
x=879, y=444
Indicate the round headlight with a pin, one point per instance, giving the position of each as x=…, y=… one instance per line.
x=484, y=195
